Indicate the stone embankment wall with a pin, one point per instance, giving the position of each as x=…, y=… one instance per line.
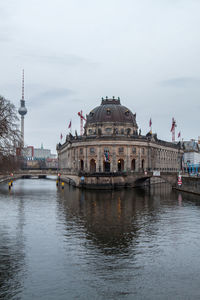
x=190, y=185
x=7, y=177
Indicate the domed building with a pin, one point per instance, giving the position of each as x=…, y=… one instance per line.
x=112, y=147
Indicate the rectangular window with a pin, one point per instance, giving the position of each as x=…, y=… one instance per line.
x=108, y=130
x=134, y=150
x=121, y=150
x=81, y=150
x=92, y=150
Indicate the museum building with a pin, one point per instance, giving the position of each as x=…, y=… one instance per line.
x=112, y=143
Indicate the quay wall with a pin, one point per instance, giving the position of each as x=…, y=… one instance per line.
x=190, y=185
x=7, y=177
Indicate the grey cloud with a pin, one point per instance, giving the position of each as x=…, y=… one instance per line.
x=4, y=38
x=56, y=93
x=181, y=82
x=69, y=59
x=50, y=95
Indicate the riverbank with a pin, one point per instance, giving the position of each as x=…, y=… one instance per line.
x=8, y=177
x=189, y=185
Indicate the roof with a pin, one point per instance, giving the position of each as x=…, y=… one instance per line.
x=111, y=110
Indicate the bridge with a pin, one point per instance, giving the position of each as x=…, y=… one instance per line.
x=103, y=180
x=35, y=173
x=113, y=180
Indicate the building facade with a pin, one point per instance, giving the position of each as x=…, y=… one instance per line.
x=191, y=152
x=39, y=157
x=112, y=143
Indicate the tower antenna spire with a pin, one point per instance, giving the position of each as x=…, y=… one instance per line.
x=23, y=84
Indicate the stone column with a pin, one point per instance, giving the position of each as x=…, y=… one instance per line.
x=128, y=161
x=139, y=159
x=102, y=158
x=86, y=159
x=114, y=160
x=150, y=163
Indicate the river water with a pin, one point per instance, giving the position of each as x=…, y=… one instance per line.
x=74, y=244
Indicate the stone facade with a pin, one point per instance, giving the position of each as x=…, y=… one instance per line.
x=111, y=143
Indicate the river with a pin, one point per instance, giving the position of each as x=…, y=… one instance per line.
x=77, y=244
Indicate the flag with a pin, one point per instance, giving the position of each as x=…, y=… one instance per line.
x=179, y=134
x=70, y=124
x=173, y=124
x=150, y=122
x=61, y=136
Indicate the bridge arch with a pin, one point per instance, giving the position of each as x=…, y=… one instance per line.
x=167, y=178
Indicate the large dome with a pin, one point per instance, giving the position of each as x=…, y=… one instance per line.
x=111, y=111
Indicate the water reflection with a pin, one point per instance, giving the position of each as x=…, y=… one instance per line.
x=77, y=244
x=12, y=255
x=113, y=220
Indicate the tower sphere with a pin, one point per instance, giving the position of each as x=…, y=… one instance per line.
x=22, y=110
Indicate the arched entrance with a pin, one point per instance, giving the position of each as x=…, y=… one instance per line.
x=92, y=166
x=106, y=166
x=133, y=165
x=81, y=165
x=120, y=165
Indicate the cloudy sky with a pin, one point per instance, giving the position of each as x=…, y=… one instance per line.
x=147, y=52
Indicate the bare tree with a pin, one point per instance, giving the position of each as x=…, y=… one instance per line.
x=9, y=132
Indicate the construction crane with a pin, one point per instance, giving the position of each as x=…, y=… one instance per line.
x=173, y=129
x=80, y=114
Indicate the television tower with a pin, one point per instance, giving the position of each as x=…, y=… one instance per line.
x=22, y=111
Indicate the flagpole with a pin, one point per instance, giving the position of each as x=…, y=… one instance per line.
x=71, y=126
x=150, y=125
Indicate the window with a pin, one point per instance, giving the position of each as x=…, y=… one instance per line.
x=121, y=150
x=90, y=131
x=108, y=130
x=108, y=112
x=81, y=150
x=122, y=131
x=143, y=151
x=128, y=131
x=92, y=150
x=134, y=150
x=127, y=112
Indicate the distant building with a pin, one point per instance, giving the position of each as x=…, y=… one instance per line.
x=39, y=157
x=191, y=153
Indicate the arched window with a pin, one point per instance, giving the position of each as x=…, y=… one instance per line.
x=92, y=166
x=143, y=164
x=133, y=165
x=81, y=165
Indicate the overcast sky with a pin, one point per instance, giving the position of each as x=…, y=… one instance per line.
x=147, y=52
